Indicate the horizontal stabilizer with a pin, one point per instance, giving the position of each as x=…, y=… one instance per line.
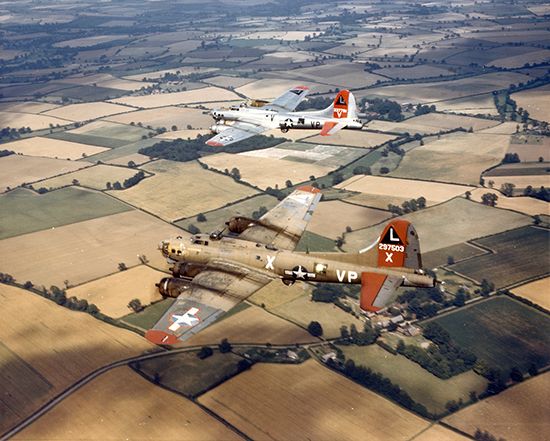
x=377, y=290
x=330, y=128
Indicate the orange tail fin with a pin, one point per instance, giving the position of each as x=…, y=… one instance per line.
x=341, y=104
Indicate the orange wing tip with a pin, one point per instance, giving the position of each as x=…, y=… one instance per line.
x=214, y=144
x=160, y=337
x=309, y=189
x=302, y=88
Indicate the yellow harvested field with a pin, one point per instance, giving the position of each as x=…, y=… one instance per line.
x=182, y=189
x=432, y=123
x=86, y=111
x=112, y=294
x=135, y=409
x=472, y=105
x=505, y=128
x=96, y=177
x=227, y=81
x=137, y=158
x=35, y=122
x=458, y=158
x=183, y=134
x=276, y=402
x=17, y=169
x=89, y=41
x=536, y=181
x=535, y=101
x=538, y=56
x=166, y=117
x=27, y=107
x=185, y=70
x=87, y=250
x=440, y=433
x=523, y=204
x=331, y=218
x=265, y=172
x=52, y=148
x=253, y=325
x=203, y=95
x=518, y=413
x=106, y=80
x=538, y=292
x=48, y=347
x=353, y=138
x=434, y=192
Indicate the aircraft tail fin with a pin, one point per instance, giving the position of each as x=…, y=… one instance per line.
x=343, y=106
x=397, y=247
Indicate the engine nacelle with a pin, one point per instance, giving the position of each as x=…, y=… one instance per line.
x=172, y=287
x=238, y=224
x=184, y=269
x=218, y=128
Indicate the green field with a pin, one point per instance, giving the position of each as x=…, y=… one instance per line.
x=502, y=332
x=315, y=242
x=423, y=387
x=112, y=136
x=188, y=374
x=520, y=254
x=100, y=141
x=119, y=152
x=216, y=219
x=458, y=252
x=450, y=223
x=24, y=211
x=147, y=318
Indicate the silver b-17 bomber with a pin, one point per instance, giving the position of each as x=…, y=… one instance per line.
x=213, y=273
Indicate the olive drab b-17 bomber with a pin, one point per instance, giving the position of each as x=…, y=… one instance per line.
x=213, y=273
x=248, y=121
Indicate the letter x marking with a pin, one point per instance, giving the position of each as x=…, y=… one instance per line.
x=270, y=262
x=389, y=257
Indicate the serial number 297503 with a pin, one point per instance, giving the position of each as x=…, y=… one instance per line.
x=390, y=247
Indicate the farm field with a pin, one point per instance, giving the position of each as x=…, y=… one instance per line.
x=276, y=294
x=513, y=260
x=35, y=122
x=161, y=196
x=266, y=172
x=521, y=181
x=423, y=387
x=170, y=99
x=413, y=72
x=106, y=80
x=144, y=406
x=268, y=89
x=434, y=92
x=216, y=219
x=501, y=320
x=85, y=111
x=34, y=107
x=375, y=201
x=434, y=192
x=87, y=250
x=24, y=211
x=17, y=169
x=331, y=218
x=459, y=158
x=187, y=374
x=439, y=433
x=302, y=310
x=183, y=134
x=95, y=177
x=50, y=363
x=538, y=292
x=102, y=132
x=535, y=101
x=447, y=224
x=112, y=294
x=353, y=138
x=530, y=148
x=252, y=325
x=166, y=117
x=515, y=413
x=52, y=148
x=470, y=105
x=432, y=123
x=457, y=252
x=268, y=402
x=155, y=75
x=523, y=204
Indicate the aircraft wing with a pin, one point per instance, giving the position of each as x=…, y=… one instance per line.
x=289, y=100
x=283, y=225
x=236, y=132
x=208, y=296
